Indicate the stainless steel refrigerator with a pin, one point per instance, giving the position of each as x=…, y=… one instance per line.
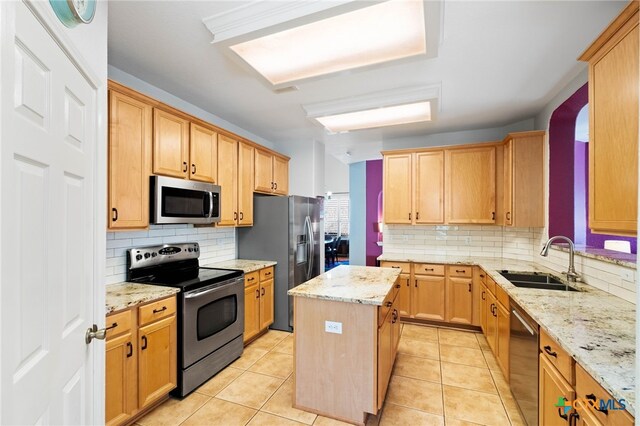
x=287, y=230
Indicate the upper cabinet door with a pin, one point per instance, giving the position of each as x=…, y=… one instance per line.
x=429, y=192
x=129, y=161
x=471, y=184
x=263, y=171
x=203, y=154
x=245, y=184
x=170, y=144
x=228, y=180
x=397, y=190
x=280, y=175
x=614, y=72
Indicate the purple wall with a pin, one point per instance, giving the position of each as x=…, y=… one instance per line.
x=580, y=177
x=562, y=131
x=373, y=209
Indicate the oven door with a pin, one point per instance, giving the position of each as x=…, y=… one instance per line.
x=212, y=317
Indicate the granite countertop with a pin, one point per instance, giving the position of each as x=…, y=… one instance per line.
x=125, y=295
x=595, y=327
x=241, y=264
x=367, y=285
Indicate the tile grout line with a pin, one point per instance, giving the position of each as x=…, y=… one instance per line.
x=504, y=407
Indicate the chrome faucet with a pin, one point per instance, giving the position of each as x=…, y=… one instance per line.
x=572, y=275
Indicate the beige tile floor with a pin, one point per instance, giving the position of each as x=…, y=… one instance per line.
x=441, y=377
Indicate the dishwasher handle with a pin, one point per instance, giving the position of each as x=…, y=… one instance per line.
x=523, y=322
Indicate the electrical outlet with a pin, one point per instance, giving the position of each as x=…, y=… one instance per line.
x=333, y=327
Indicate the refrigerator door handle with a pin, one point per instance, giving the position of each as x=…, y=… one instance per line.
x=307, y=225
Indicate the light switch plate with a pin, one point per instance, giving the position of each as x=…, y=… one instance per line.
x=333, y=327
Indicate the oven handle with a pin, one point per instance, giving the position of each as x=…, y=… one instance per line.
x=197, y=293
x=210, y=204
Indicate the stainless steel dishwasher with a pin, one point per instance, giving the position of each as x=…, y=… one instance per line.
x=523, y=363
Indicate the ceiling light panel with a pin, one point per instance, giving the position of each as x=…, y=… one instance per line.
x=387, y=31
x=378, y=117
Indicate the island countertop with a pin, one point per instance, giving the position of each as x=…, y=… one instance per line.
x=366, y=285
x=245, y=265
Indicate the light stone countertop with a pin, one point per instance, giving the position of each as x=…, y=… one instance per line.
x=595, y=327
x=245, y=265
x=366, y=285
x=125, y=295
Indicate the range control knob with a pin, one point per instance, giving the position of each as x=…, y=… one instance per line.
x=189, y=249
x=154, y=254
x=147, y=255
x=139, y=257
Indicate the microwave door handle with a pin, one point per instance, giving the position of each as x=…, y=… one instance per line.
x=210, y=204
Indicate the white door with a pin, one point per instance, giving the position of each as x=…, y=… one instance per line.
x=47, y=171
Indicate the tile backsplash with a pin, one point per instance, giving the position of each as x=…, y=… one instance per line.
x=510, y=243
x=216, y=244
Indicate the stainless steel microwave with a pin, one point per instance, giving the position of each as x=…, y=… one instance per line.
x=183, y=201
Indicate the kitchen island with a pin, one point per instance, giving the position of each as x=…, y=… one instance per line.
x=346, y=335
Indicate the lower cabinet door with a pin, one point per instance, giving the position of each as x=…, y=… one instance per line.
x=121, y=380
x=428, y=298
x=503, y=339
x=484, y=304
x=459, y=300
x=251, y=311
x=554, y=390
x=492, y=322
x=157, y=368
x=266, y=304
x=404, y=295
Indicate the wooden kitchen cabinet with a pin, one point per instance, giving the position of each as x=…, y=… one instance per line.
x=492, y=323
x=271, y=173
x=428, y=298
x=614, y=73
x=245, y=184
x=524, y=180
x=553, y=387
x=385, y=360
x=397, y=188
x=130, y=138
x=404, y=296
x=484, y=308
x=470, y=184
x=459, y=300
x=203, y=154
x=258, y=302
x=170, y=144
x=502, y=340
x=235, y=177
x=140, y=360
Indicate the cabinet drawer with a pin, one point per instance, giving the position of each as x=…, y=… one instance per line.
x=404, y=266
x=587, y=389
x=157, y=310
x=251, y=278
x=266, y=273
x=502, y=296
x=428, y=269
x=460, y=271
x=552, y=351
x=387, y=305
x=123, y=321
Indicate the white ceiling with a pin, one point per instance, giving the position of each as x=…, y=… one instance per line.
x=499, y=62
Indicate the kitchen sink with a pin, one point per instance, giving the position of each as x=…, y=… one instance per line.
x=536, y=280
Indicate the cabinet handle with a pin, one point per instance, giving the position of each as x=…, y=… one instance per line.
x=193, y=169
x=144, y=343
x=428, y=269
x=241, y=215
x=129, y=350
x=573, y=418
x=257, y=293
x=262, y=291
x=114, y=217
x=417, y=215
x=492, y=309
x=185, y=167
x=251, y=279
x=508, y=215
x=593, y=402
x=235, y=215
x=547, y=349
x=481, y=275
x=389, y=304
x=561, y=410
x=272, y=185
x=483, y=298
x=155, y=311
x=409, y=216
x=266, y=274
x=396, y=267
x=397, y=285
x=416, y=283
x=469, y=287
x=395, y=316
x=275, y=184
x=493, y=215
x=460, y=271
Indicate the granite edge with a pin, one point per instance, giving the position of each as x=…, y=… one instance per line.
x=259, y=264
x=152, y=292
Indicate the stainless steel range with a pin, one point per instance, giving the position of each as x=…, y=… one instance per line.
x=210, y=308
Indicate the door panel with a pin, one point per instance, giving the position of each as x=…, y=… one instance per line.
x=429, y=194
x=245, y=184
x=266, y=304
x=280, y=175
x=48, y=154
x=428, y=298
x=228, y=180
x=251, y=311
x=170, y=144
x=404, y=298
x=203, y=155
x=398, y=190
x=157, y=374
x=263, y=172
x=459, y=300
